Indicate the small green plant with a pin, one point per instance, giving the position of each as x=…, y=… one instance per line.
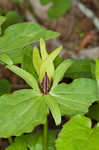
x=23, y=110
x=79, y=33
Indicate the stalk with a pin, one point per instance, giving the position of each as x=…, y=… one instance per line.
x=10, y=140
x=45, y=136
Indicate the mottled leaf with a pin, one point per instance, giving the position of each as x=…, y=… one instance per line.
x=18, y=36
x=75, y=98
x=77, y=134
x=20, y=112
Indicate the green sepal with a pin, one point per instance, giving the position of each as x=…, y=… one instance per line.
x=54, y=108
x=36, y=60
x=44, y=53
x=60, y=71
x=30, y=80
x=6, y=59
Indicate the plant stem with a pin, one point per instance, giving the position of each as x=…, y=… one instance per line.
x=45, y=138
x=10, y=140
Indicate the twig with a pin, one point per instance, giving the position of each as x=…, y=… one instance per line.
x=86, y=11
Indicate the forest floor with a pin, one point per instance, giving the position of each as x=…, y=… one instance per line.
x=79, y=37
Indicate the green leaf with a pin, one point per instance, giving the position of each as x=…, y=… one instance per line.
x=2, y=20
x=60, y=71
x=54, y=108
x=77, y=134
x=5, y=86
x=80, y=69
x=30, y=141
x=33, y=141
x=30, y=80
x=58, y=7
x=44, y=53
x=93, y=112
x=75, y=98
x=93, y=70
x=20, y=112
x=12, y=17
x=19, y=144
x=36, y=142
x=37, y=60
x=18, y=36
x=27, y=64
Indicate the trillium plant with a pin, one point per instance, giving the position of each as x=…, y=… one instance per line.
x=23, y=110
